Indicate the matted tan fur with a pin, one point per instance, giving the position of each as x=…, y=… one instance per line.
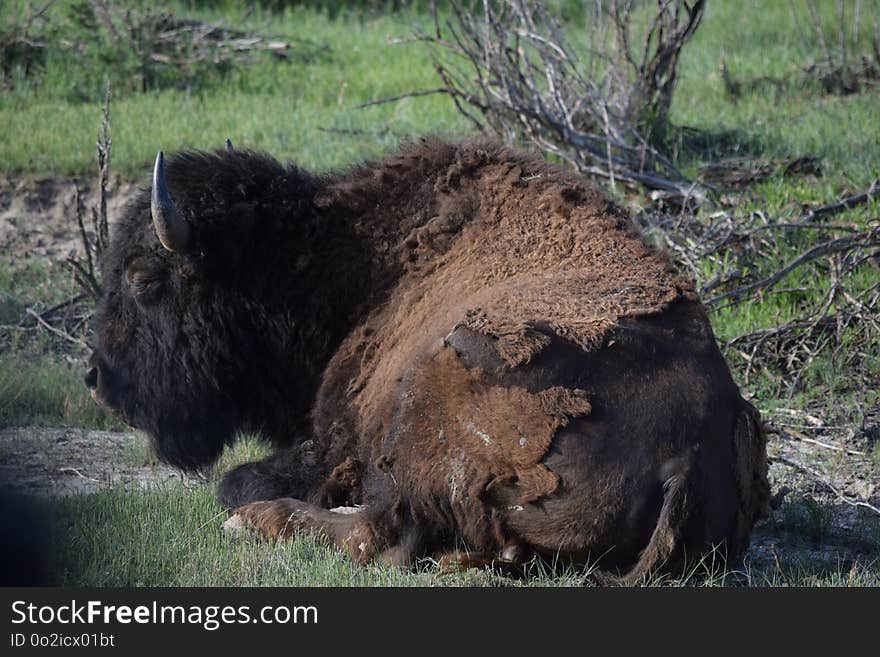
x=515, y=244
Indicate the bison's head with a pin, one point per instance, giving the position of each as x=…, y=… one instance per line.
x=199, y=286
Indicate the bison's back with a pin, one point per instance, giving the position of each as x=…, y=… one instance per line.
x=530, y=252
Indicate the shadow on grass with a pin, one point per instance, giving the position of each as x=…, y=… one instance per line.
x=691, y=146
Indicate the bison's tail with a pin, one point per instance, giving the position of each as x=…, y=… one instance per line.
x=666, y=546
x=753, y=488
x=682, y=504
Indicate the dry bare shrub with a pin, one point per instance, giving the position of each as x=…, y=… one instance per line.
x=845, y=60
x=23, y=40
x=136, y=46
x=599, y=101
x=96, y=237
x=152, y=47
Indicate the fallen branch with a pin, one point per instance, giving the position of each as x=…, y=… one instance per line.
x=74, y=471
x=16, y=327
x=747, y=257
x=743, y=171
x=794, y=435
x=817, y=476
x=56, y=331
x=394, y=99
x=59, y=306
x=867, y=239
x=848, y=203
x=149, y=48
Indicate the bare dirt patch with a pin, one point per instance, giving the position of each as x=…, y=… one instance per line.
x=42, y=462
x=39, y=238
x=827, y=507
x=38, y=215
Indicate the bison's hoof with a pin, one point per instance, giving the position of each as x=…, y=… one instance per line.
x=345, y=510
x=236, y=526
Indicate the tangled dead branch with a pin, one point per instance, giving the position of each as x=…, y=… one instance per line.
x=67, y=323
x=166, y=38
x=602, y=105
x=738, y=172
x=844, y=204
x=829, y=273
x=862, y=240
x=94, y=241
x=22, y=43
x=819, y=478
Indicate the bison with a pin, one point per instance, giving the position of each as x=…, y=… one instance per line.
x=465, y=346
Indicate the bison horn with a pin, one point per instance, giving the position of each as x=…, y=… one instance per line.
x=171, y=229
x=229, y=146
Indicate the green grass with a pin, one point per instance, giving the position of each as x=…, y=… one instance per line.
x=806, y=574
x=281, y=107
x=37, y=385
x=759, y=39
x=37, y=280
x=807, y=517
x=172, y=537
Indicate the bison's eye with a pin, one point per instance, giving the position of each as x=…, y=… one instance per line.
x=143, y=280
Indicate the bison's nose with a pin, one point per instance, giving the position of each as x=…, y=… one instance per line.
x=91, y=378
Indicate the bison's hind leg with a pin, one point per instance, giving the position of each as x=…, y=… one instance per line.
x=352, y=529
x=248, y=483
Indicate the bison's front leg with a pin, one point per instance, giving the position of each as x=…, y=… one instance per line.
x=351, y=530
x=290, y=472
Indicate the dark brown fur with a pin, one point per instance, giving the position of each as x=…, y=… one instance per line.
x=480, y=348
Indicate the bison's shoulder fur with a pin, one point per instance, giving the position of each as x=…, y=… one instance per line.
x=470, y=341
